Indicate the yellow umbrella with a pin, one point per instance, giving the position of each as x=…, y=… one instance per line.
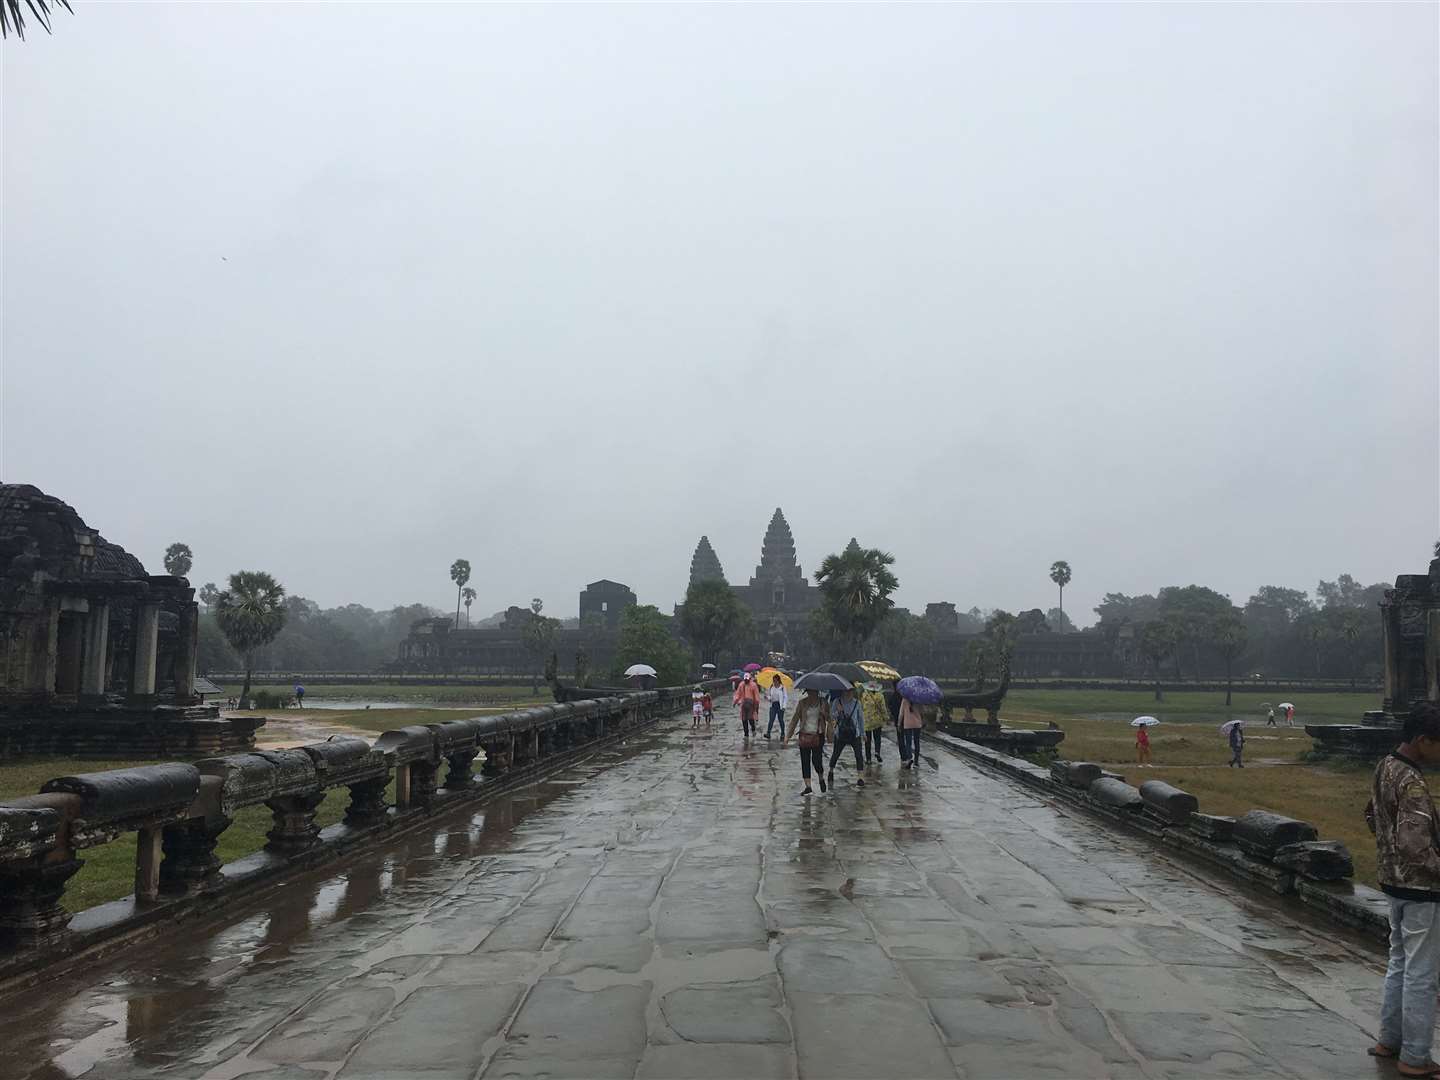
x=765, y=676
x=881, y=670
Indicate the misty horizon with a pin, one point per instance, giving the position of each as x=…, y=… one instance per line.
x=345, y=293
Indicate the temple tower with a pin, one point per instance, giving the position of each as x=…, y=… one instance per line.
x=705, y=564
x=777, y=554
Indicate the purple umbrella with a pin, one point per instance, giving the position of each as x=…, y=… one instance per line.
x=752, y=667
x=920, y=690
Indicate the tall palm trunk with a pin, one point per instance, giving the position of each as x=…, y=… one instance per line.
x=1228, y=686
x=458, y=590
x=245, y=690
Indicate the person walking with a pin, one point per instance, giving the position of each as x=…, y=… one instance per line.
x=779, y=702
x=1237, y=745
x=1142, y=746
x=892, y=702
x=747, y=696
x=697, y=706
x=911, y=721
x=875, y=713
x=1401, y=814
x=1270, y=716
x=810, y=722
x=849, y=731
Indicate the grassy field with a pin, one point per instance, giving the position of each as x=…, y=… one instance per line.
x=494, y=696
x=1188, y=705
x=109, y=870
x=1187, y=750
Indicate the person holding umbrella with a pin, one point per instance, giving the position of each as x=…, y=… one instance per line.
x=1141, y=724
x=811, y=723
x=875, y=712
x=1236, y=735
x=914, y=691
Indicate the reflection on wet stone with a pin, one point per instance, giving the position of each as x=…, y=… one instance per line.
x=670, y=908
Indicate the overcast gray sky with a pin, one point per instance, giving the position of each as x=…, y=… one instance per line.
x=344, y=292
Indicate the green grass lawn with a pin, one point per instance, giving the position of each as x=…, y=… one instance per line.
x=109, y=870
x=497, y=696
x=1185, y=705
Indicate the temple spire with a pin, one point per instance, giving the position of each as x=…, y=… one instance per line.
x=705, y=564
x=777, y=553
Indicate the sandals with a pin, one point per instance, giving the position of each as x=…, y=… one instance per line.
x=1380, y=1050
x=1430, y=1069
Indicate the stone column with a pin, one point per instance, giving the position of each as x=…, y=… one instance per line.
x=187, y=646
x=1389, y=640
x=1432, y=654
x=144, y=637
x=97, y=660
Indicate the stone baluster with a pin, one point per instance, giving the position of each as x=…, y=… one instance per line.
x=294, y=830
x=189, y=864
x=423, y=779
x=367, y=803
x=30, y=892
x=459, y=776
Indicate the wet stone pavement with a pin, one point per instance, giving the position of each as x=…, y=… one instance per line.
x=672, y=908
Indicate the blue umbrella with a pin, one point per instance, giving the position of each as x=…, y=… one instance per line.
x=824, y=681
x=920, y=690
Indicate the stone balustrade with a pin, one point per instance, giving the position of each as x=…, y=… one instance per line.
x=1259, y=848
x=179, y=811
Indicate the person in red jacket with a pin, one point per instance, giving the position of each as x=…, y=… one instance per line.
x=747, y=697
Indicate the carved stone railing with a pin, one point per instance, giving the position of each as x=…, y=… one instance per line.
x=179, y=811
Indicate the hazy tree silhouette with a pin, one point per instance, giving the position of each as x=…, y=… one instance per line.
x=178, y=559
x=469, y=595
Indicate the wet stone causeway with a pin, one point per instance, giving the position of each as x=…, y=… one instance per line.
x=674, y=908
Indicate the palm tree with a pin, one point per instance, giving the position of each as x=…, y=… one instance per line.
x=251, y=613
x=469, y=595
x=460, y=574
x=1060, y=575
x=12, y=18
x=537, y=605
x=178, y=559
x=855, y=588
x=208, y=594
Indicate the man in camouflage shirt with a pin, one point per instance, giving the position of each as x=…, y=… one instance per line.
x=1407, y=842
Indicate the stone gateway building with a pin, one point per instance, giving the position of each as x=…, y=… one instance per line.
x=97, y=657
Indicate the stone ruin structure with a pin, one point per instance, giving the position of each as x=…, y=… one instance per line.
x=1410, y=636
x=97, y=657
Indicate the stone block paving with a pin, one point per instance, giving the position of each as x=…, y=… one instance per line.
x=673, y=908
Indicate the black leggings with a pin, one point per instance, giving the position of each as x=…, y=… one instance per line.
x=809, y=755
x=748, y=709
x=842, y=741
x=873, y=743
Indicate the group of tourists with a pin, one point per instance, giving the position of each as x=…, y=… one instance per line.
x=854, y=718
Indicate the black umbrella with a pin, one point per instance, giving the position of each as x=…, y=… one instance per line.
x=848, y=671
x=824, y=681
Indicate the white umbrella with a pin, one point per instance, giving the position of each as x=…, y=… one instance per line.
x=1144, y=721
x=1228, y=724
x=1286, y=705
x=707, y=667
x=640, y=669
